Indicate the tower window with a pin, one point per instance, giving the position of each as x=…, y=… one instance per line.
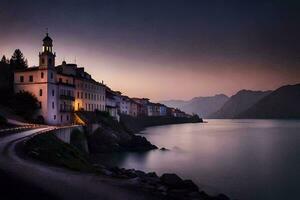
x=52, y=105
x=53, y=93
x=41, y=92
x=54, y=117
x=31, y=78
x=43, y=60
x=42, y=75
x=21, y=79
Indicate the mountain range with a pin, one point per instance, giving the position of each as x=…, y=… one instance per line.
x=203, y=106
x=280, y=103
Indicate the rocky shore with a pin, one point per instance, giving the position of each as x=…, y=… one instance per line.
x=168, y=186
x=112, y=136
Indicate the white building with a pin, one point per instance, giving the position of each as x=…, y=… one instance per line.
x=60, y=90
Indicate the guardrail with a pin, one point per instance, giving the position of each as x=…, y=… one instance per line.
x=21, y=128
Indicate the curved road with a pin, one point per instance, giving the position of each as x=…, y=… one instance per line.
x=62, y=183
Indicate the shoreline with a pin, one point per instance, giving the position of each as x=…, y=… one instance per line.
x=167, y=186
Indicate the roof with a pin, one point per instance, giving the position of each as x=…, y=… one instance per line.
x=47, y=38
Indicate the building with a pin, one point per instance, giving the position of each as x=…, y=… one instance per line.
x=142, y=108
x=60, y=90
x=125, y=105
x=112, y=105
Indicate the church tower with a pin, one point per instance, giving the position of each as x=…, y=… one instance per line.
x=47, y=57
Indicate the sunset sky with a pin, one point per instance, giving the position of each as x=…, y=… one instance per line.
x=163, y=49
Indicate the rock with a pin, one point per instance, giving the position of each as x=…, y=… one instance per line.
x=222, y=197
x=106, y=172
x=164, y=149
x=152, y=174
x=140, y=173
x=190, y=185
x=172, y=180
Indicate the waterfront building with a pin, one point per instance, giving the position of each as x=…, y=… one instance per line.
x=112, y=103
x=60, y=90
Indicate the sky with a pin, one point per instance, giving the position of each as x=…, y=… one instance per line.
x=171, y=49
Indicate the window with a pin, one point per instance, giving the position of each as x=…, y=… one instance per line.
x=85, y=95
x=78, y=106
x=78, y=95
x=51, y=75
x=60, y=80
x=21, y=79
x=40, y=104
x=67, y=117
x=31, y=78
x=54, y=117
x=61, y=118
x=41, y=92
x=53, y=93
x=82, y=95
x=42, y=75
x=43, y=60
x=52, y=105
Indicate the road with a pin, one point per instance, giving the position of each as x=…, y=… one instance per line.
x=55, y=182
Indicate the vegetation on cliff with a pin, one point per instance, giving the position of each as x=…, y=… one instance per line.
x=48, y=148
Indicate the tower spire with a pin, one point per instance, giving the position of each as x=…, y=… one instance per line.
x=47, y=33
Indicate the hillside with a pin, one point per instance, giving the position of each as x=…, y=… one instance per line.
x=282, y=103
x=238, y=103
x=203, y=106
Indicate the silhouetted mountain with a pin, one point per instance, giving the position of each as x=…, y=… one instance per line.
x=238, y=103
x=281, y=103
x=174, y=103
x=203, y=106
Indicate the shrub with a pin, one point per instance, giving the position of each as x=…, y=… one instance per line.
x=25, y=104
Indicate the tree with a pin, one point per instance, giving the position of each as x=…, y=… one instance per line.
x=6, y=84
x=18, y=60
x=25, y=104
x=4, y=60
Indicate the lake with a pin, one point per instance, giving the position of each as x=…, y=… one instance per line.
x=244, y=159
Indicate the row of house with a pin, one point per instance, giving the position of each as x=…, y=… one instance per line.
x=66, y=88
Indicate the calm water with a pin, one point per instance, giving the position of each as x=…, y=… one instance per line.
x=245, y=159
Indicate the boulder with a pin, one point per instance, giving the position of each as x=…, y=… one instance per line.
x=172, y=180
x=190, y=185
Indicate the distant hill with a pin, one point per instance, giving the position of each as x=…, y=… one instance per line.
x=239, y=103
x=281, y=103
x=174, y=103
x=203, y=106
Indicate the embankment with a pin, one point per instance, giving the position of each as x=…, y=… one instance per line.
x=137, y=124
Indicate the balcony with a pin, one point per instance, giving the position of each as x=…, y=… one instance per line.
x=67, y=97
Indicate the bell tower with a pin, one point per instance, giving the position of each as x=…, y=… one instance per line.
x=47, y=57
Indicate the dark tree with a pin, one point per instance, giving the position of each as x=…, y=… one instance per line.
x=6, y=82
x=18, y=60
x=25, y=104
x=4, y=60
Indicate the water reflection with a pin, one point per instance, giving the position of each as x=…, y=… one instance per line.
x=246, y=159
